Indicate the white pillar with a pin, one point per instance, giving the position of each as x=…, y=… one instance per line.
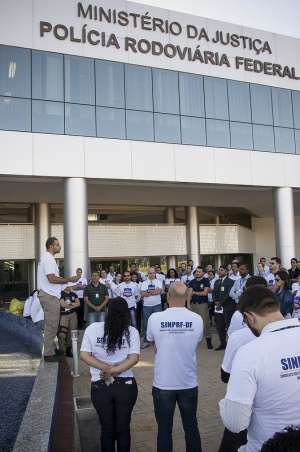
x=284, y=220
x=75, y=226
x=192, y=234
x=31, y=262
x=219, y=258
x=169, y=217
x=42, y=228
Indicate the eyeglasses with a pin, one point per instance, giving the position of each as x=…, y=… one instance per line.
x=278, y=279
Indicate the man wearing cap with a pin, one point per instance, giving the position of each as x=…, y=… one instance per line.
x=49, y=285
x=68, y=320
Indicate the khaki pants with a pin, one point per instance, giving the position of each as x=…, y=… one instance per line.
x=66, y=325
x=51, y=308
x=202, y=310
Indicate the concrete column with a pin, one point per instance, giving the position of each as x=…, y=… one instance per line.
x=42, y=228
x=192, y=234
x=219, y=258
x=169, y=217
x=75, y=226
x=31, y=262
x=284, y=221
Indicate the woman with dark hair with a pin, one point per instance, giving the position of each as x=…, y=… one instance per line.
x=111, y=349
x=284, y=293
x=172, y=276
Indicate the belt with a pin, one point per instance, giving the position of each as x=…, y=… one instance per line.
x=199, y=302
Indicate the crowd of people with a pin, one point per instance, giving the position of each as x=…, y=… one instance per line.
x=257, y=320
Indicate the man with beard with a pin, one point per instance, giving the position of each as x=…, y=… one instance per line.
x=263, y=390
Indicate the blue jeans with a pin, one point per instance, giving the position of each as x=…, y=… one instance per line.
x=147, y=311
x=164, y=406
x=132, y=312
x=114, y=404
x=96, y=317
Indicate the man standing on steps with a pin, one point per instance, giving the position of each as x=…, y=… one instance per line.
x=197, y=301
x=49, y=285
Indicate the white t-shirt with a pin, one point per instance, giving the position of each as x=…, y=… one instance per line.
x=169, y=281
x=236, y=323
x=211, y=284
x=270, y=278
x=295, y=286
x=185, y=279
x=236, y=340
x=151, y=285
x=176, y=332
x=47, y=266
x=94, y=343
x=128, y=292
x=297, y=305
x=81, y=282
x=161, y=278
x=107, y=283
x=114, y=289
x=40, y=316
x=110, y=277
x=266, y=375
x=138, y=290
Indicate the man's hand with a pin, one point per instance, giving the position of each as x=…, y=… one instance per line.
x=74, y=278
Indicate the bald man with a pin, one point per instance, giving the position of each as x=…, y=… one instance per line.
x=175, y=334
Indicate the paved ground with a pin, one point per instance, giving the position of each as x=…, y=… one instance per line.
x=143, y=424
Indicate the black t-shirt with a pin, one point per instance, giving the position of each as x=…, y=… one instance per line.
x=199, y=286
x=65, y=296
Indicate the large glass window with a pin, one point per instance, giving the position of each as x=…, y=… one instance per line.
x=80, y=120
x=193, y=131
x=241, y=135
x=138, y=82
x=282, y=107
x=297, y=141
x=296, y=108
x=139, y=125
x=110, y=84
x=15, y=114
x=261, y=104
x=191, y=95
x=79, y=80
x=263, y=137
x=284, y=140
x=218, y=133
x=216, y=99
x=239, y=101
x=47, y=76
x=47, y=117
x=167, y=128
x=15, y=73
x=165, y=91
x=111, y=123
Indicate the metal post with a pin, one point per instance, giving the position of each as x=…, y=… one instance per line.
x=74, y=336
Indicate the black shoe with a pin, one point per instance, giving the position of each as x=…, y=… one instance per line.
x=53, y=358
x=69, y=352
x=209, y=344
x=221, y=347
x=59, y=352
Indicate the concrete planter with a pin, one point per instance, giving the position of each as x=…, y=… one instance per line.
x=88, y=424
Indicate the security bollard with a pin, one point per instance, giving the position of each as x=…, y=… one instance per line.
x=74, y=336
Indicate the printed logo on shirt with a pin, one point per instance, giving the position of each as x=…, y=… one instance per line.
x=297, y=307
x=176, y=327
x=151, y=287
x=290, y=367
x=271, y=282
x=127, y=292
x=102, y=342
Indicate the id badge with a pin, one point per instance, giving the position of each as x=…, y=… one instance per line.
x=222, y=289
x=97, y=295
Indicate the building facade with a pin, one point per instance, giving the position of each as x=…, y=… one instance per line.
x=140, y=132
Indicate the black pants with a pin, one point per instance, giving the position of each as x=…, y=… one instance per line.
x=223, y=322
x=80, y=313
x=231, y=442
x=114, y=404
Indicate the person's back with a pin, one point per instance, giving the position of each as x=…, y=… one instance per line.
x=177, y=332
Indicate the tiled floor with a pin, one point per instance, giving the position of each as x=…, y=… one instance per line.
x=143, y=424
